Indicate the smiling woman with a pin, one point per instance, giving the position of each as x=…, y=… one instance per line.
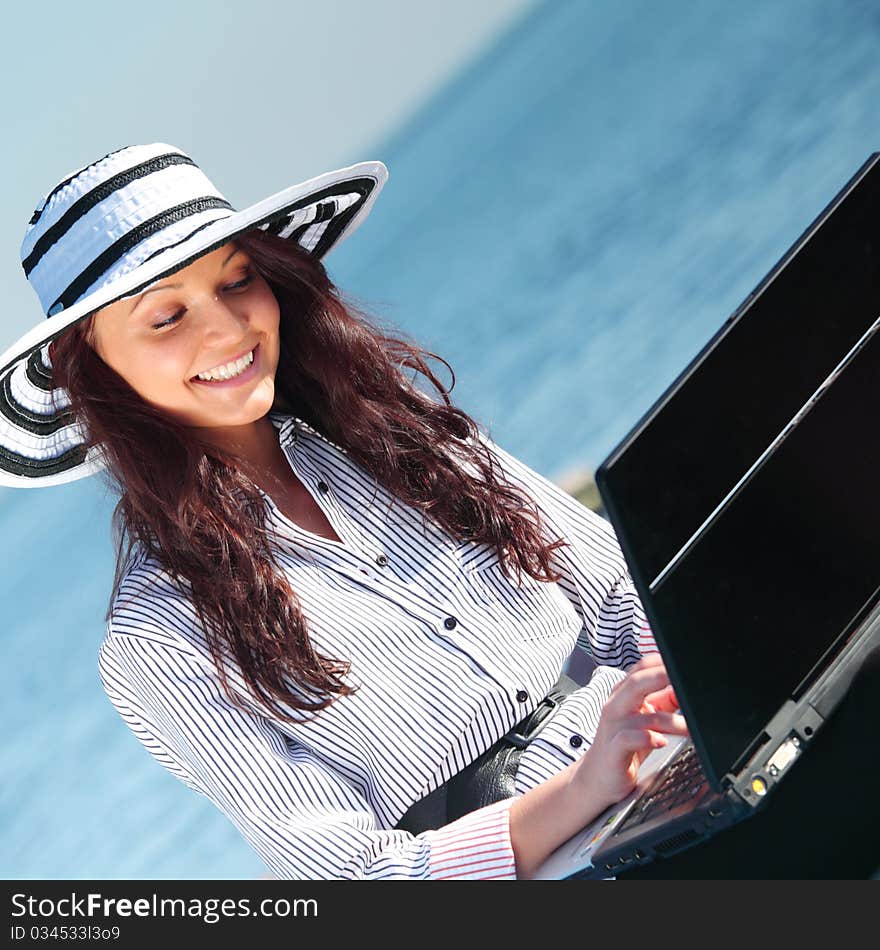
x=216, y=312
x=299, y=627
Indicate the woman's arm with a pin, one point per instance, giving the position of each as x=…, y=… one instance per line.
x=641, y=708
x=308, y=822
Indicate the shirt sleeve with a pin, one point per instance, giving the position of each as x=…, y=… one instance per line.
x=305, y=821
x=595, y=577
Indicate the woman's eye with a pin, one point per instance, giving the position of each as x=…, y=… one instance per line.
x=238, y=285
x=170, y=321
x=175, y=317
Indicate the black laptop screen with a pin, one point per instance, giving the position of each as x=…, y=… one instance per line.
x=707, y=430
x=776, y=578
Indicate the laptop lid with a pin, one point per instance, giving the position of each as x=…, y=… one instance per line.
x=746, y=500
x=738, y=393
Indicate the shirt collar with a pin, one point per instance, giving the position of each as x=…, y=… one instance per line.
x=284, y=422
x=290, y=427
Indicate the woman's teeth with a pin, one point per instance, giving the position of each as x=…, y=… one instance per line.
x=228, y=370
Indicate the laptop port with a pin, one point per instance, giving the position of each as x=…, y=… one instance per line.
x=784, y=756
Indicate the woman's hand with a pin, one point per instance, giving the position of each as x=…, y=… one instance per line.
x=635, y=719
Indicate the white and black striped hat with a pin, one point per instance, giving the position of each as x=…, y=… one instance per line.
x=110, y=230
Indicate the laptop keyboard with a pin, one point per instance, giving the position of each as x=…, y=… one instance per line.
x=683, y=781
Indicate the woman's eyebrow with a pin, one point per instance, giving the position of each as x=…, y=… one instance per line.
x=176, y=286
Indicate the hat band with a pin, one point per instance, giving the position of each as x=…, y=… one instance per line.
x=92, y=217
x=112, y=255
x=88, y=201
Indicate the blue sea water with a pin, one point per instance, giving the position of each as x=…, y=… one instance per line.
x=567, y=222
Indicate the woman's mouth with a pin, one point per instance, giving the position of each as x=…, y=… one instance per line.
x=234, y=373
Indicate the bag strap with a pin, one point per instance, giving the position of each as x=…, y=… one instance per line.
x=490, y=776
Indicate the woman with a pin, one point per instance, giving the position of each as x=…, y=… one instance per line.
x=334, y=596
x=337, y=603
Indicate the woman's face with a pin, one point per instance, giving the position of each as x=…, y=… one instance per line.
x=198, y=321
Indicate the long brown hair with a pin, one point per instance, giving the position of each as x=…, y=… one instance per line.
x=190, y=506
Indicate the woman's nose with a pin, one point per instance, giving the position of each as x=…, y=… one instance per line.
x=221, y=321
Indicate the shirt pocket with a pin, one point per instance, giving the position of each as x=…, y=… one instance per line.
x=537, y=609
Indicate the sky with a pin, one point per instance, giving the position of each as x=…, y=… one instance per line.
x=262, y=95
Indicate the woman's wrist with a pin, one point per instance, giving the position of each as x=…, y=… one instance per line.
x=588, y=785
x=546, y=816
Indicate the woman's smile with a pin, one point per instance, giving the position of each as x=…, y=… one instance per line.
x=235, y=372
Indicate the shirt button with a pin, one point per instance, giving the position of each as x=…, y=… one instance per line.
x=576, y=741
x=323, y=487
x=522, y=696
x=450, y=623
x=381, y=560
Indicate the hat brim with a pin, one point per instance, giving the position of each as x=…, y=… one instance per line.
x=41, y=444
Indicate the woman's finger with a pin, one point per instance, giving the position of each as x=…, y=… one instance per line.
x=658, y=740
x=630, y=693
x=666, y=722
x=664, y=699
x=633, y=740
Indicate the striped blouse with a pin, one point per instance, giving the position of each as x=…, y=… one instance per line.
x=448, y=655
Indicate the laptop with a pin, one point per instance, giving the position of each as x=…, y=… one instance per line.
x=747, y=506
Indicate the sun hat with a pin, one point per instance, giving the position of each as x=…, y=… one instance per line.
x=108, y=231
